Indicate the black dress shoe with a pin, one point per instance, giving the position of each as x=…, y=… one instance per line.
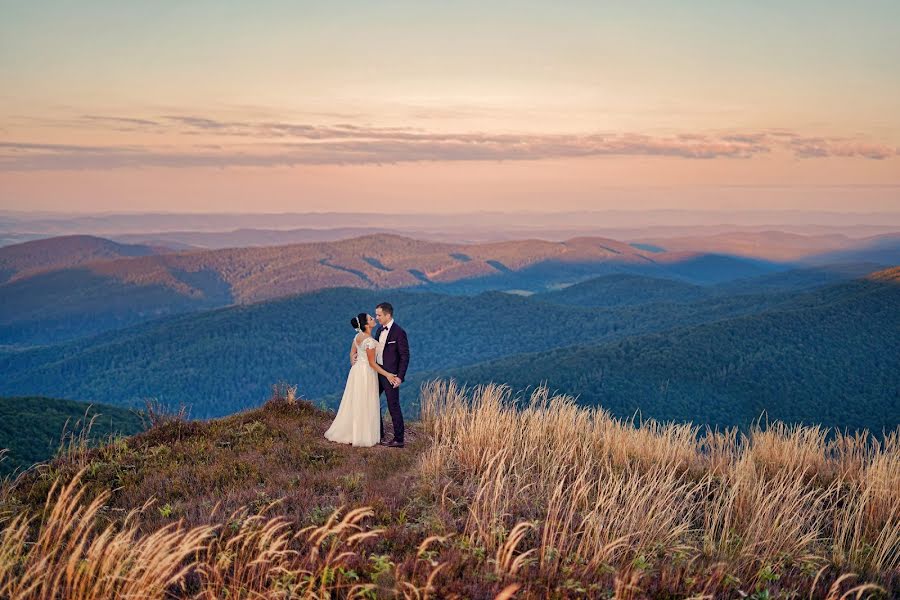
x=394, y=444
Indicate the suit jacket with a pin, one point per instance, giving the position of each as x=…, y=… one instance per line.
x=395, y=356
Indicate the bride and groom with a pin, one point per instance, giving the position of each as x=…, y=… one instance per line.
x=379, y=357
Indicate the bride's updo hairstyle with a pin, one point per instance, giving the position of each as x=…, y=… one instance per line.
x=359, y=322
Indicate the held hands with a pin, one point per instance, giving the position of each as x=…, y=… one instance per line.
x=395, y=381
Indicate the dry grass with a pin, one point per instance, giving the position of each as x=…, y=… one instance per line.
x=494, y=497
x=69, y=557
x=660, y=505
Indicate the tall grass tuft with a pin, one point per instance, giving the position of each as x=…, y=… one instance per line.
x=67, y=555
x=636, y=504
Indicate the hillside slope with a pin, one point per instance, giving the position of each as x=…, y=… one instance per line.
x=624, y=289
x=782, y=246
x=28, y=258
x=260, y=505
x=831, y=356
x=31, y=428
x=64, y=304
x=224, y=360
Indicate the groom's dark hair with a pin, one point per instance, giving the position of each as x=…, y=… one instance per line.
x=386, y=307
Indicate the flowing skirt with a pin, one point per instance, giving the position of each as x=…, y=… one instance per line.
x=358, y=419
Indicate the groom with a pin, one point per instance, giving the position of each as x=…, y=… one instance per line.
x=392, y=354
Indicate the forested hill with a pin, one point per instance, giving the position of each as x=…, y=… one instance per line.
x=226, y=360
x=31, y=428
x=824, y=355
x=831, y=356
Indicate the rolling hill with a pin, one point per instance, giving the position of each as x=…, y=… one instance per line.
x=621, y=289
x=31, y=428
x=64, y=304
x=28, y=258
x=797, y=279
x=247, y=237
x=829, y=356
x=624, y=289
x=781, y=246
x=226, y=359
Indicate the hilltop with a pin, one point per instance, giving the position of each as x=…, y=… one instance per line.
x=29, y=258
x=259, y=503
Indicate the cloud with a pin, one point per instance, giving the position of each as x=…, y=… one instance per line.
x=134, y=122
x=816, y=147
x=277, y=143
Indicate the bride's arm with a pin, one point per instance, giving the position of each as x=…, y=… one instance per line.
x=370, y=352
x=352, y=354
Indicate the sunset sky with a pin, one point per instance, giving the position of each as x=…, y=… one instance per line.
x=449, y=106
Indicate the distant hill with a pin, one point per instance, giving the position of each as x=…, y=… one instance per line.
x=782, y=246
x=373, y=261
x=244, y=238
x=797, y=279
x=829, y=356
x=28, y=258
x=226, y=359
x=69, y=303
x=31, y=428
x=624, y=289
x=621, y=289
x=883, y=249
x=891, y=275
x=63, y=304
x=60, y=289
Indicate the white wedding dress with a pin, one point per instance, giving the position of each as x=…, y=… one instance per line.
x=358, y=419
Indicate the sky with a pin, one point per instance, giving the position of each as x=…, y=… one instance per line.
x=268, y=106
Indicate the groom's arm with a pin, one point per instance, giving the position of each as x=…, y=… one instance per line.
x=403, y=351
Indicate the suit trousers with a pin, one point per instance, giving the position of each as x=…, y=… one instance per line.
x=392, y=395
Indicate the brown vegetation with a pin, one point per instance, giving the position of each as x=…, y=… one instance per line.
x=492, y=497
x=374, y=261
x=29, y=258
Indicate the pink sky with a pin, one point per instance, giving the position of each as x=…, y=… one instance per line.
x=417, y=106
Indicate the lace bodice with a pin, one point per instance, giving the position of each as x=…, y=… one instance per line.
x=361, y=347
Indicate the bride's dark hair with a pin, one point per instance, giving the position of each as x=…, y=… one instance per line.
x=360, y=321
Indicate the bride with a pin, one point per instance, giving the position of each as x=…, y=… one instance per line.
x=358, y=419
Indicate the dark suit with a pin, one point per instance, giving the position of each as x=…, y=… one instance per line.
x=395, y=359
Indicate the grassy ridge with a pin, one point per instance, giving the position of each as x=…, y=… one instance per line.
x=490, y=499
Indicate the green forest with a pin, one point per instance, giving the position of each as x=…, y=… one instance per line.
x=32, y=428
x=827, y=354
x=227, y=359
x=831, y=357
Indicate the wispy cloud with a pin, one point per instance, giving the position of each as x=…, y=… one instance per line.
x=813, y=147
x=129, y=121
x=278, y=143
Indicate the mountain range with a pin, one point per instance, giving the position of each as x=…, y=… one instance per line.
x=709, y=355
x=56, y=292
x=674, y=328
